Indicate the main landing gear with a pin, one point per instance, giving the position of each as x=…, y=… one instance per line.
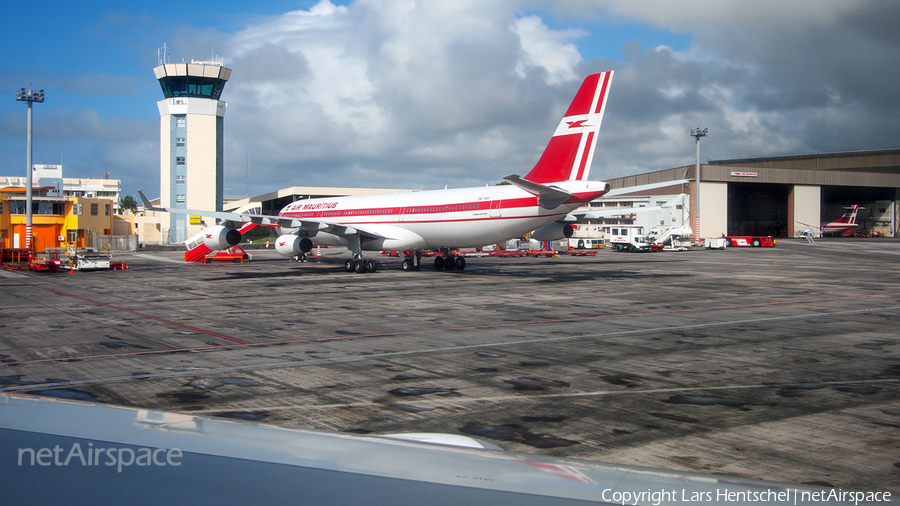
x=449, y=262
x=412, y=261
x=360, y=265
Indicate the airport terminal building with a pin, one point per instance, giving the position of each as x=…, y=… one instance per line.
x=782, y=196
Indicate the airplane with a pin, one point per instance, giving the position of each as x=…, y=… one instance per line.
x=841, y=226
x=541, y=203
x=89, y=450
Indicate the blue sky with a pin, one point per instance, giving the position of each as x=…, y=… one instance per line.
x=450, y=93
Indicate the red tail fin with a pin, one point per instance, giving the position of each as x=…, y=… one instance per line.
x=849, y=218
x=569, y=154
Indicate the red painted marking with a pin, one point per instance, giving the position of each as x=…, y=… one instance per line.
x=584, y=155
x=583, y=100
x=556, y=161
x=57, y=292
x=603, y=91
x=576, y=124
x=447, y=329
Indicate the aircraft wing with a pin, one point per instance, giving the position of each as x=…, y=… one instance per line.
x=268, y=220
x=152, y=457
x=615, y=211
x=644, y=187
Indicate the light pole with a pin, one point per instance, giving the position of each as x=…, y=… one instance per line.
x=697, y=133
x=30, y=97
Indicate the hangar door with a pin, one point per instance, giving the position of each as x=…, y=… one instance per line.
x=758, y=209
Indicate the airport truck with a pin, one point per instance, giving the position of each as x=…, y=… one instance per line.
x=634, y=244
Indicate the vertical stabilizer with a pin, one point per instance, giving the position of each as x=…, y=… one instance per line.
x=569, y=154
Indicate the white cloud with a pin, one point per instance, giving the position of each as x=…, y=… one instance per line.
x=431, y=90
x=547, y=49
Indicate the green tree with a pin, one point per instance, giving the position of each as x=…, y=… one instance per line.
x=128, y=202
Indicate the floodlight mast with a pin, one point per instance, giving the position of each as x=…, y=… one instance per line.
x=30, y=97
x=697, y=133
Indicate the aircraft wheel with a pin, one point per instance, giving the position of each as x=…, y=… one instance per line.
x=359, y=266
x=438, y=263
x=460, y=263
x=349, y=266
x=371, y=266
x=450, y=263
x=406, y=265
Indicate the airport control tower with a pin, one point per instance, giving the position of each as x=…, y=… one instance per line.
x=191, y=142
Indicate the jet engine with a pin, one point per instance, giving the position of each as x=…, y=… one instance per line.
x=292, y=245
x=553, y=232
x=218, y=237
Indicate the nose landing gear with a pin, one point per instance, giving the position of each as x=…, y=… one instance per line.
x=412, y=261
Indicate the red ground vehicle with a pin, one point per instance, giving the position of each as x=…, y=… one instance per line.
x=755, y=241
x=235, y=254
x=44, y=263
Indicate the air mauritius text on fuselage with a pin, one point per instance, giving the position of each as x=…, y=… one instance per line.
x=313, y=207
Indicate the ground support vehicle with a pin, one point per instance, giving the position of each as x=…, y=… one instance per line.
x=507, y=253
x=635, y=244
x=92, y=262
x=45, y=261
x=234, y=254
x=546, y=253
x=715, y=243
x=581, y=243
x=756, y=241
x=15, y=258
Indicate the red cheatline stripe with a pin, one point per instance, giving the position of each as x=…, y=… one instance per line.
x=584, y=155
x=133, y=312
x=448, y=329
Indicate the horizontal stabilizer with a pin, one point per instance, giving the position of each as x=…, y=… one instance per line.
x=548, y=197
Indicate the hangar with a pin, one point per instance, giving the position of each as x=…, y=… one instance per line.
x=784, y=195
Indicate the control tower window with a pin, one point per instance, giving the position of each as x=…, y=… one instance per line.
x=192, y=86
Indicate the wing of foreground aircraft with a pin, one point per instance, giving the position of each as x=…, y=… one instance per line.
x=91, y=452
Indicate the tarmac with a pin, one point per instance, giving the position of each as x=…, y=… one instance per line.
x=781, y=363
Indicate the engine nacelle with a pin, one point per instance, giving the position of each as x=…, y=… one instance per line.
x=292, y=245
x=218, y=237
x=553, y=232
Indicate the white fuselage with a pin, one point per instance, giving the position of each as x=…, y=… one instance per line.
x=436, y=219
